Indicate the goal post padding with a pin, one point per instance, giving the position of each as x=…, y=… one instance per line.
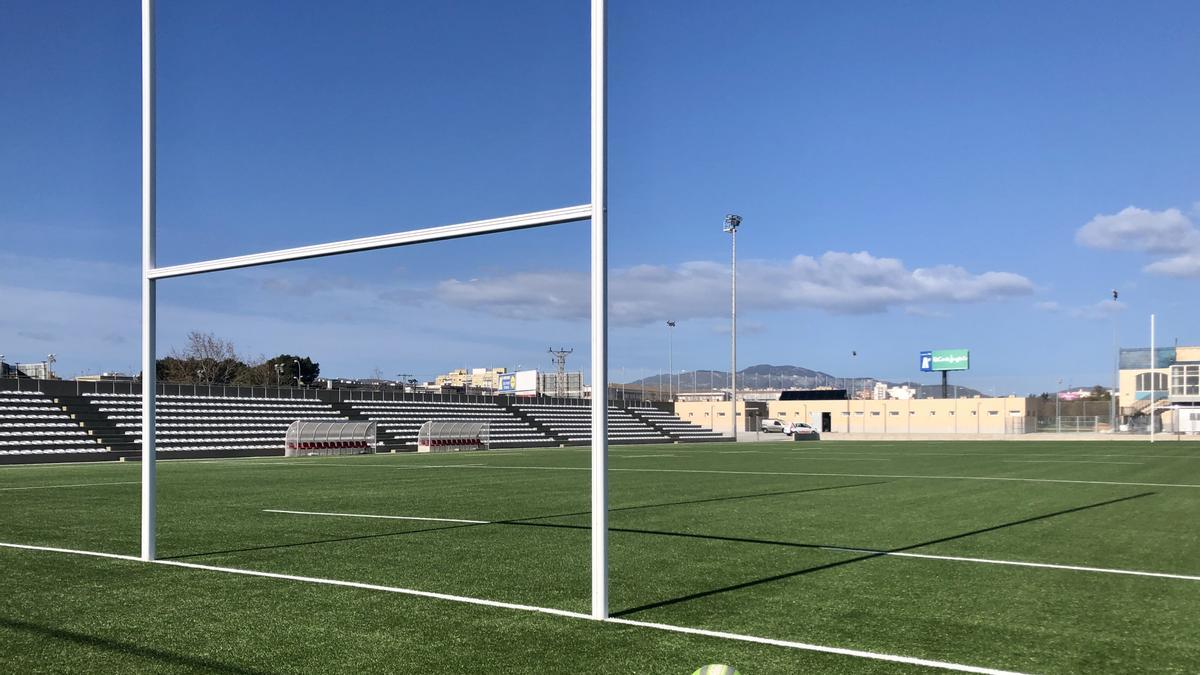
x=329, y=437
x=453, y=436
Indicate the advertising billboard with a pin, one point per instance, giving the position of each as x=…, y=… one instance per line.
x=520, y=383
x=938, y=360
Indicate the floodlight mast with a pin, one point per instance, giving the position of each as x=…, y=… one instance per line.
x=732, y=222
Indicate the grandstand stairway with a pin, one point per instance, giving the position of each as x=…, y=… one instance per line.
x=88, y=415
x=670, y=424
x=36, y=428
x=573, y=424
x=203, y=426
x=531, y=421
x=399, y=421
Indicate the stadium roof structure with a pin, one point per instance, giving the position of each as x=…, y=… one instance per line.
x=594, y=211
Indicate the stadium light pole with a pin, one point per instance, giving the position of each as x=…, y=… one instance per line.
x=670, y=360
x=1112, y=396
x=732, y=222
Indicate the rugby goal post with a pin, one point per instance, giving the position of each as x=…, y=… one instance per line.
x=595, y=211
x=435, y=436
x=307, y=438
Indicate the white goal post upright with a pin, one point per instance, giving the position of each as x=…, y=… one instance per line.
x=596, y=211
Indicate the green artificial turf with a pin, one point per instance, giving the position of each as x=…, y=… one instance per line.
x=747, y=538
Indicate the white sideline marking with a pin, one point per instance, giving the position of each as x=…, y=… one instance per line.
x=367, y=515
x=1017, y=563
x=893, y=658
x=635, y=456
x=852, y=475
x=1062, y=461
x=73, y=485
x=852, y=549
x=813, y=648
x=835, y=458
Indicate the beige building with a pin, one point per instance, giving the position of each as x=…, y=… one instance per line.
x=916, y=416
x=479, y=378
x=1171, y=382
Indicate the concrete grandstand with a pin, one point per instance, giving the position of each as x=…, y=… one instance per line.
x=52, y=420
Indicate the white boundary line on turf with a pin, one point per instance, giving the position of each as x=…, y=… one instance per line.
x=846, y=475
x=893, y=658
x=1062, y=461
x=368, y=515
x=1017, y=563
x=74, y=485
x=851, y=549
x=813, y=648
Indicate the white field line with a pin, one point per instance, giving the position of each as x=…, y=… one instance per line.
x=73, y=485
x=840, y=459
x=813, y=648
x=852, y=549
x=640, y=456
x=1063, y=461
x=1017, y=563
x=367, y=515
x=893, y=658
x=849, y=475
x=736, y=452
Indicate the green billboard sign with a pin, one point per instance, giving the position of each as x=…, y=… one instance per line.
x=937, y=360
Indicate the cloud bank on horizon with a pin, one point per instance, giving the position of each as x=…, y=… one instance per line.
x=835, y=282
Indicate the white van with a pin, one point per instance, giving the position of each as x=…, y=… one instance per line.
x=770, y=426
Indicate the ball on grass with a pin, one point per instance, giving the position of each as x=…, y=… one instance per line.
x=716, y=669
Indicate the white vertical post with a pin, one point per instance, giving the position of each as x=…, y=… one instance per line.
x=1153, y=384
x=599, y=314
x=149, y=379
x=733, y=332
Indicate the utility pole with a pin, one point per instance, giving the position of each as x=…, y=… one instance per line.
x=560, y=371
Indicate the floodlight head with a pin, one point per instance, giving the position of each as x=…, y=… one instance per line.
x=671, y=324
x=732, y=221
x=1115, y=295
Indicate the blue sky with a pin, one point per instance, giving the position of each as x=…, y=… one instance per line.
x=912, y=176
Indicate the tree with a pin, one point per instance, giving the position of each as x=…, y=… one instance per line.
x=208, y=359
x=1099, y=393
x=287, y=373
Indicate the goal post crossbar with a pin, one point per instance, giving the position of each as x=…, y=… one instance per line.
x=595, y=211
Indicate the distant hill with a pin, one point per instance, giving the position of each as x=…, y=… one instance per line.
x=766, y=376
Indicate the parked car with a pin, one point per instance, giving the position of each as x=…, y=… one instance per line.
x=770, y=426
x=800, y=428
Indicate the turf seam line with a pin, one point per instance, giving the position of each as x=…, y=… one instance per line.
x=842, y=651
x=368, y=515
x=846, y=475
x=75, y=485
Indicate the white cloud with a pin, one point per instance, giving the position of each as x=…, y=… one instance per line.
x=837, y=282
x=1186, y=265
x=1160, y=233
x=1140, y=229
x=1101, y=310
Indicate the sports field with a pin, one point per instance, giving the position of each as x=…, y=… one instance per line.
x=1032, y=557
